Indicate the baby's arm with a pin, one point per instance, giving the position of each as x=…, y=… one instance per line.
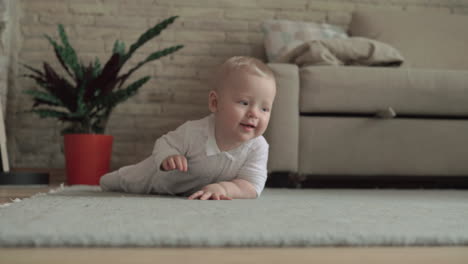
x=239, y=189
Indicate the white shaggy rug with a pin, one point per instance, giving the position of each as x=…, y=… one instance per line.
x=85, y=216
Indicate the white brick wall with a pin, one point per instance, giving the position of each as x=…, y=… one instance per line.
x=211, y=31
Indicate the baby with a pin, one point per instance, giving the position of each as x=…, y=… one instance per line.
x=220, y=157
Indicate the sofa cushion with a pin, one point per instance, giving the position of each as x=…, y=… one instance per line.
x=350, y=51
x=426, y=40
x=281, y=36
x=368, y=90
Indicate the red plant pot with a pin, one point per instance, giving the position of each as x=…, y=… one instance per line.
x=87, y=157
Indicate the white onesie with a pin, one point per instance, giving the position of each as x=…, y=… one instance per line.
x=206, y=163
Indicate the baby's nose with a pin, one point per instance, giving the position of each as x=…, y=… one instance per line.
x=252, y=113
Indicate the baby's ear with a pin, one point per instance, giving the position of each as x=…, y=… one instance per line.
x=213, y=101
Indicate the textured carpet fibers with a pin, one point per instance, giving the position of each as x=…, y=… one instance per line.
x=85, y=216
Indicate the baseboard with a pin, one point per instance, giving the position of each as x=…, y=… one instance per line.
x=24, y=178
x=56, y=175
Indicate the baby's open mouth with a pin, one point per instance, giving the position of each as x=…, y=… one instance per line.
x=248, y=125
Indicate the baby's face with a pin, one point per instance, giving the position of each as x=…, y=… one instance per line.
x=244, y=105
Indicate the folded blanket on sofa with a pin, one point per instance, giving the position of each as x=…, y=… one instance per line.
x=349, y=51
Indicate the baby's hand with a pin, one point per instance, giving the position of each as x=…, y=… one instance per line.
x=211, y=192
x=174, y=162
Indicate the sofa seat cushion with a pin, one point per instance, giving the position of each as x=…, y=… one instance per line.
x=368, y=90
x=425, y=39
x=373, y=147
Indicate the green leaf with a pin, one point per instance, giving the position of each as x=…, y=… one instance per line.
x=161, y=53
x=45, y=85
x=153, y=56
x=97, y=68
x=38, y=72
x=119, y=47
x=39, y=80
x=112, y=99
x=46, y=98
x=66, y=53
x=61, y=55
x=44, y=113
x=63, y=36
x=148, y=35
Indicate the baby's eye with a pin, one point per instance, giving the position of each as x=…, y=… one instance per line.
x=265, y=109
x=242, y=102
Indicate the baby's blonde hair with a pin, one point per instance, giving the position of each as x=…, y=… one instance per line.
x=241, y=63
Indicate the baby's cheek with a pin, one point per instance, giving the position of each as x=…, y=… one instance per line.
x=261, y=129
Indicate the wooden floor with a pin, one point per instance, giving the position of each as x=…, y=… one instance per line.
x=236, y=255
x=329, y=255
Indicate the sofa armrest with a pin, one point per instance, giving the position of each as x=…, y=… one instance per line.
x=283, y=131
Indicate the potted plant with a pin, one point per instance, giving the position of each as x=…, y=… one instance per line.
x=84, y=97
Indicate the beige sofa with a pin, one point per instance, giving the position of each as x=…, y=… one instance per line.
x=325, y=120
